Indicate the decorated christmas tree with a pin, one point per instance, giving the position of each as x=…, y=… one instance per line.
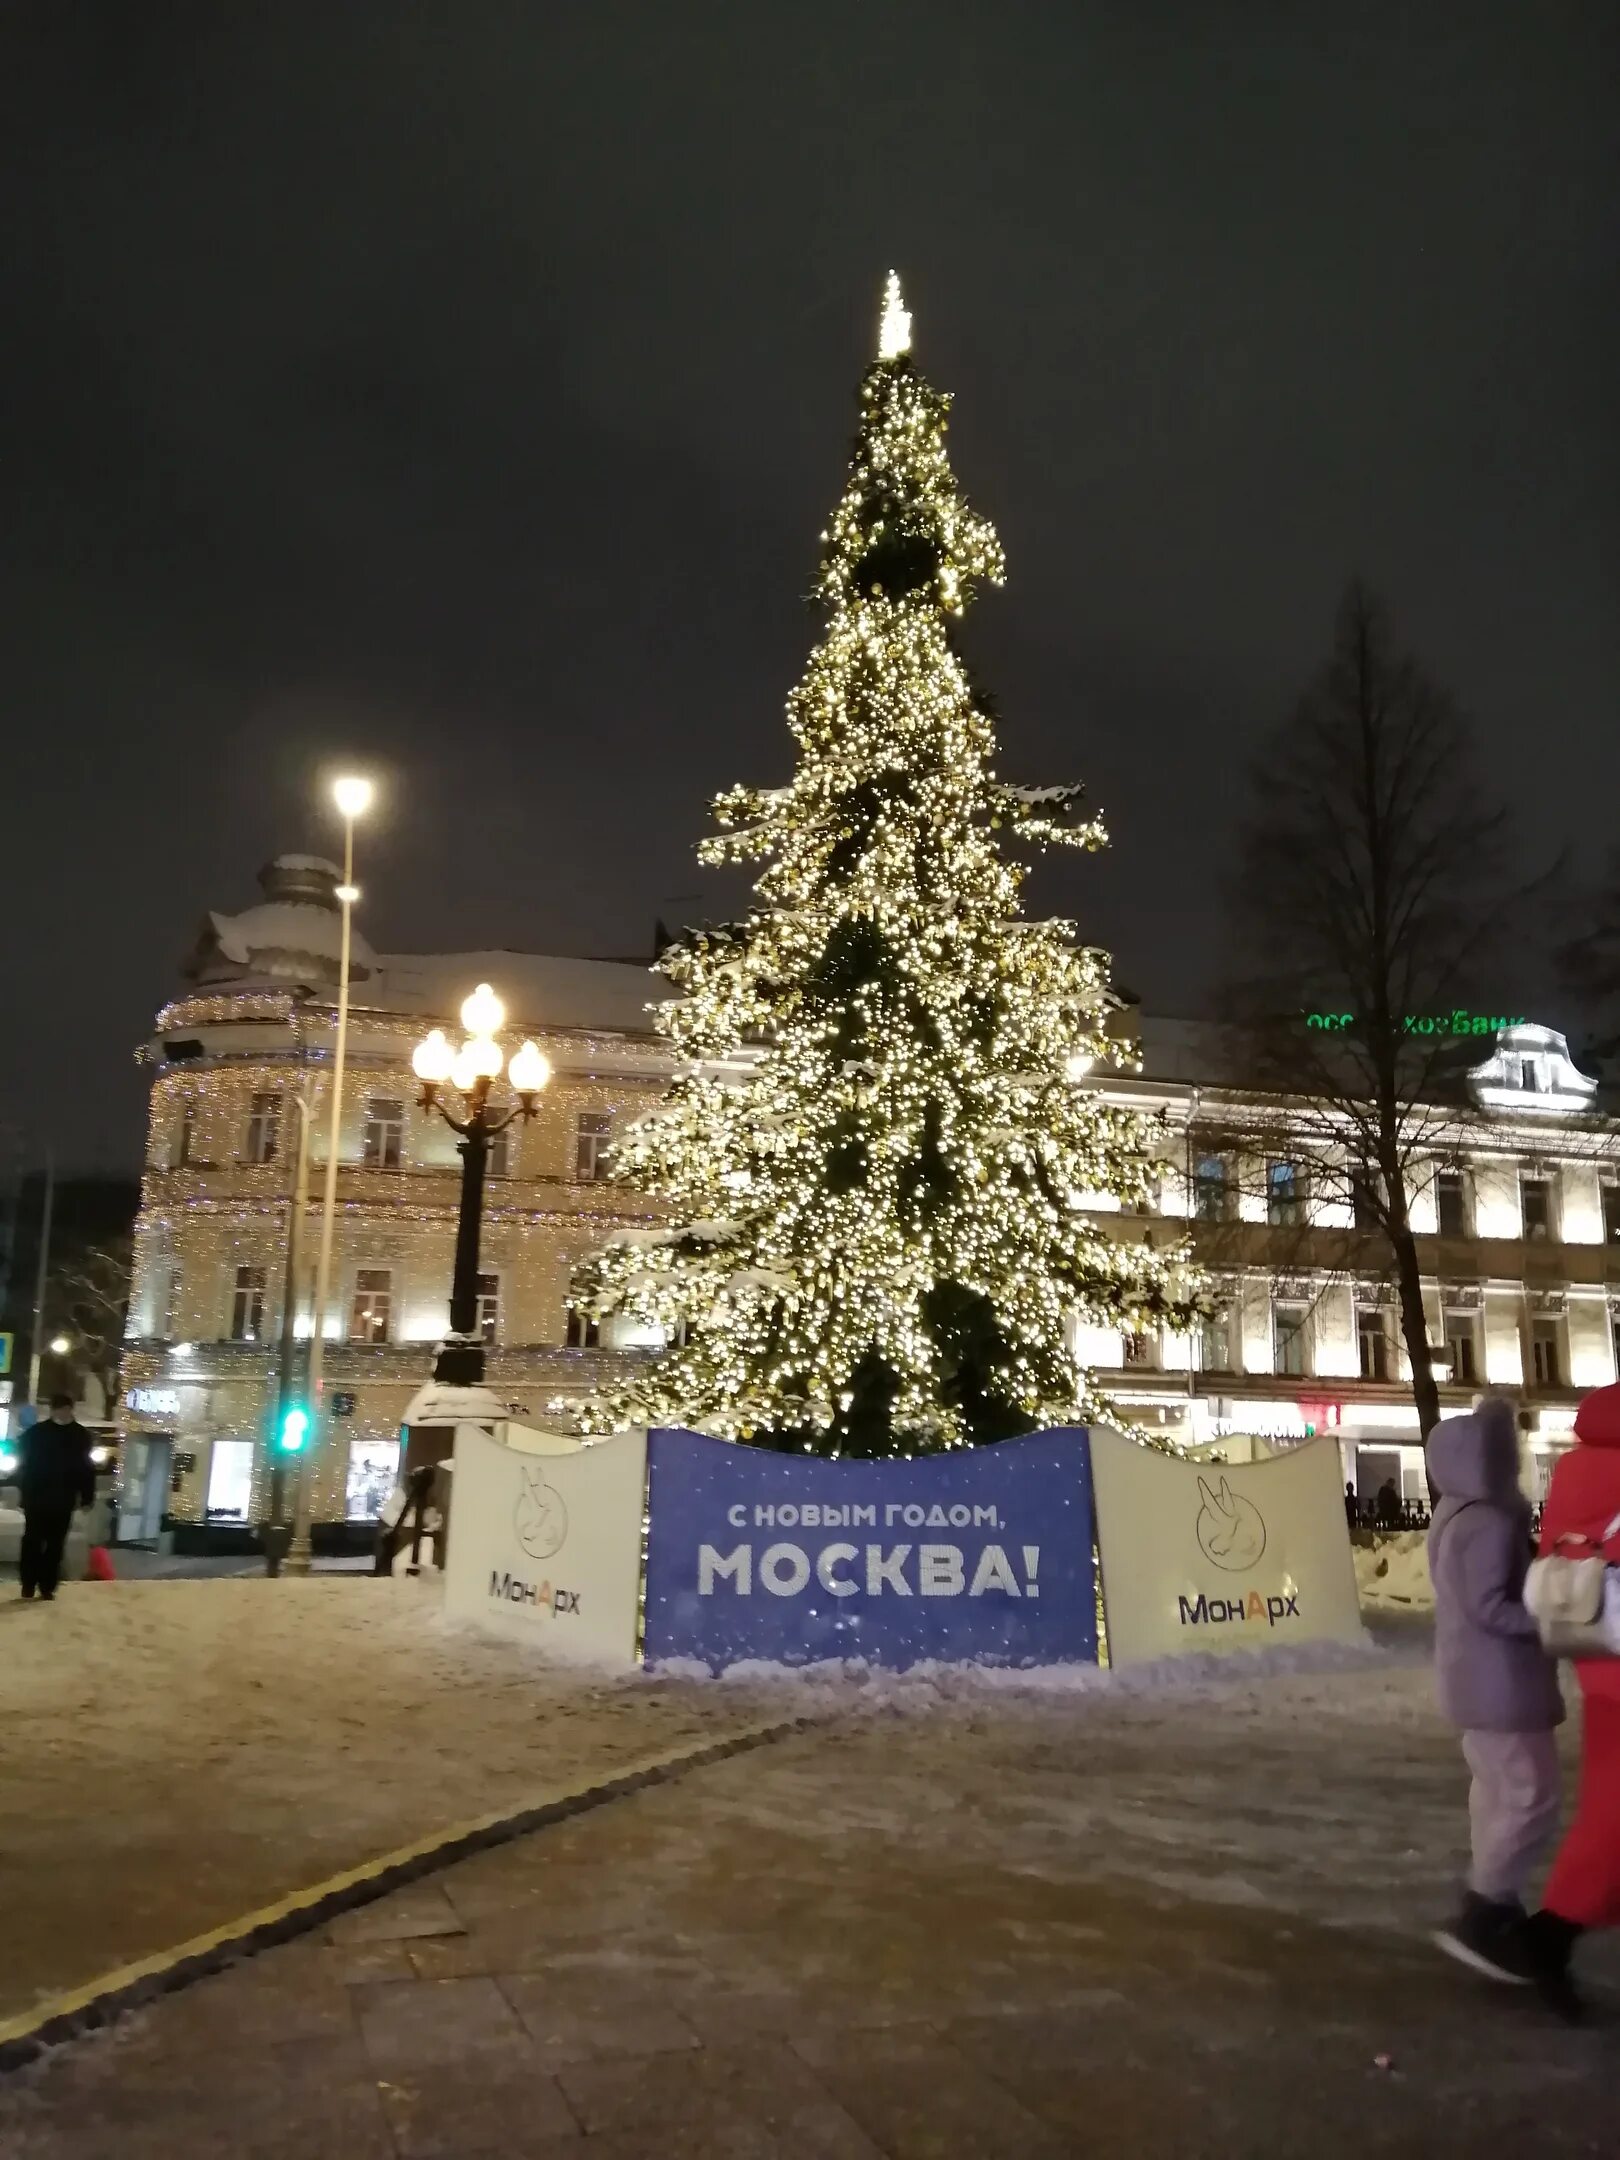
x=881, y=1160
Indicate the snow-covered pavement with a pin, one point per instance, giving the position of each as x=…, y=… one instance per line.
x=175, y=1754
x=963, y=1916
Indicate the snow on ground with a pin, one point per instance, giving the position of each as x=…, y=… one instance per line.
x=174, y=1754
x=1395, y=1572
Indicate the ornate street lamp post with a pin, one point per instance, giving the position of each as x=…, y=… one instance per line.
x=469, y=1071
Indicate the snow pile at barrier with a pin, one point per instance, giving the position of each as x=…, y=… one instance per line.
x=850, y=1684
x=1395, y=1571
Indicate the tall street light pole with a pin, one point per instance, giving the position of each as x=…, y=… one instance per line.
x=353, y=797
x=292, y=1417
x=470, y=1070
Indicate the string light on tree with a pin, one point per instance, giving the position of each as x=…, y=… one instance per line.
x=879, y=1160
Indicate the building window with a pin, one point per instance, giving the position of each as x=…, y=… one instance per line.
x=185, y=1138
x=498, y=1161
x=385, y=1132
x=1214, y=1347
x=592, y=1136
x=1138, y=1351
x=1285, y=1193
x=1462, y=1348
x=1529, y=1076
x=1212, y=1189
x=1535, y=1201
x=1545, y=1360
x=583, y=1333
x=1372, y=1340
x=264, y=1127
x=1451, y=1203
x=1288, y=1338
x=247, y=1305
x=373, y=1300
x=487, y=1323
x=1365, y=1209
x=1611, y=1214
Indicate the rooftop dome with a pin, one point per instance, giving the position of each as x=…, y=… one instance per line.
x=293, y=935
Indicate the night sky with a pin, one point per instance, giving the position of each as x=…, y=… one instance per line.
x=460, y=390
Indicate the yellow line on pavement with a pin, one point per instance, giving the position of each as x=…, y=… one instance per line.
x=79, y=2009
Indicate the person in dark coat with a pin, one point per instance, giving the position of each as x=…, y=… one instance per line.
x=1389, y=1506
x=54, y=1476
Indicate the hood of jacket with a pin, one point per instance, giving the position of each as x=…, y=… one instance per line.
x=1597, y=1421
x=1476, y=1457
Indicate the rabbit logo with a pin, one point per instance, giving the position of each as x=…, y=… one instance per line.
x=1231, y=1530
x=540, y=1519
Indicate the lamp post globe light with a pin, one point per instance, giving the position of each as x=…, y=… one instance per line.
x=468, y=1073
x=352, y=795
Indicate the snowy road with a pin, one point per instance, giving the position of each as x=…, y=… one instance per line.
x=959, y=1920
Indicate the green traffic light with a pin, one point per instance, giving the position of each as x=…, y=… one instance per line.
x=294, y=1430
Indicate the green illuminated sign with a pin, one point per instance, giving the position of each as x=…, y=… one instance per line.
x=1457, y=1023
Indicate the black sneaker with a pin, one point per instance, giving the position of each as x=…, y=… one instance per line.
x=1491, y=1939
x=28, y=1593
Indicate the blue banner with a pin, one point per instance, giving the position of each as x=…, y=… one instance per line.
x=982, y=1555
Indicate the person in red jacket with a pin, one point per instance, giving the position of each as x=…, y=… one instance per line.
x=1583, y=1890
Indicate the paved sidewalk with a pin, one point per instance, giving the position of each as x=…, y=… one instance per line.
x=1007, y=1928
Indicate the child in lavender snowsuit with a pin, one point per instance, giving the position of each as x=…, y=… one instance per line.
x=1495, y=1681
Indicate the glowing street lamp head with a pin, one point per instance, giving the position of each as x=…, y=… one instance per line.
x=432, y=1058
x=346, y=895
x=529, y=1070
x=482, y=1013
x=60, y=1346
x=352, y=794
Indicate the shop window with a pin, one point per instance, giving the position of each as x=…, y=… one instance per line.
x=264, y=1127
x=384, y=1136
x=372, y=1306
x=247, y=1305
x=1451, y=1203
x=1372, y=1340
x=592, y=1137
x=1288, y=1322
x=230, y=1481
x=487, y=1323
x=373, y=1468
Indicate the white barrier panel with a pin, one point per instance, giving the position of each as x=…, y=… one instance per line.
x=1233, y=1556
x=545, y=1541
